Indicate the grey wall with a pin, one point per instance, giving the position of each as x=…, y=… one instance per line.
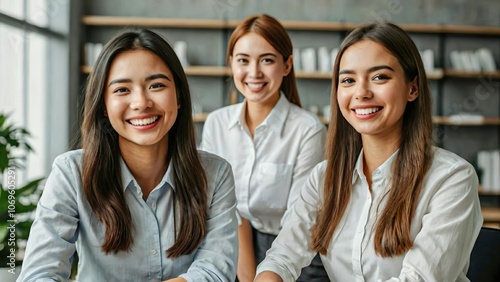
x=450, y=95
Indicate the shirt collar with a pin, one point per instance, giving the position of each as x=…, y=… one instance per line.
x=129, y=180
x=383, y=171
x=275, y=120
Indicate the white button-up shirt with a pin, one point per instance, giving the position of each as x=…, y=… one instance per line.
x=446, y=224
x=270, y=169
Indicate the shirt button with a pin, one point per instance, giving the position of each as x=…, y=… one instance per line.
x=153, y=205
x=153, y=252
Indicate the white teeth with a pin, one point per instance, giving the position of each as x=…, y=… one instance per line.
x=255, y=85
x=367, y=111
x=142, y=122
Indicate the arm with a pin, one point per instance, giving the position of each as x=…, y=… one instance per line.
x=246, y=257
x=311, y=153
x=290, y=251
x=51, y=243
x=206, y=136
x=216, y=257
x=450, y=226
x=268, y=276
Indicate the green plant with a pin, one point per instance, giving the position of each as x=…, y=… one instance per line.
x=16, y=203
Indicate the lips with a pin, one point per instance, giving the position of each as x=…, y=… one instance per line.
x=255, y=86
x=367, y=111
x=144, y=121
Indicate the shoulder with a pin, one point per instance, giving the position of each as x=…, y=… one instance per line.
x=304, y=118
x=224, y=113
x=446, y=160
x=212, y=162
x=69, y=159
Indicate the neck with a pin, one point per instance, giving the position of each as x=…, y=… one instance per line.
x=257, y=112
x=375, y=152
x=147, y=164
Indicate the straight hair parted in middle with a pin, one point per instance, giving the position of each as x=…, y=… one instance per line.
x=101, y=174
x=392, y=231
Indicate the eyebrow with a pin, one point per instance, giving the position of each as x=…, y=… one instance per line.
x=372, y=69
x=148, y=78
x=261, y=55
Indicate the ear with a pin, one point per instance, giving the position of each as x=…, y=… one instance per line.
x=288, y=65
x=413, y=90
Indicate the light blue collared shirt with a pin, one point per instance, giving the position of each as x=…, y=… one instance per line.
x=65, y=223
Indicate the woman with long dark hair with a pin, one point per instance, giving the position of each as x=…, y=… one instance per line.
x=138, y=202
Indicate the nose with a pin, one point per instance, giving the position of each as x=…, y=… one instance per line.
x=362, y=90
x=254, y=70
x=140, y=100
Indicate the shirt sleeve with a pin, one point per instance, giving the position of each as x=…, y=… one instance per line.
x=207, y=138
x=290, y=251
x=217, y=256
x=441, y=249
x=311, y=153
x=51, y=243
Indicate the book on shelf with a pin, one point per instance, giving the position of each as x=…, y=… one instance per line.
x=488, y=163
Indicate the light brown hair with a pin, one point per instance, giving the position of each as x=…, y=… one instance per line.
x=392, y=231
x=274, y=33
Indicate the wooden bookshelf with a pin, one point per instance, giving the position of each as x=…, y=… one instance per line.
x=192, y=70
x=468, y=74
x=200, y=117
x=153, y=22
x=491, y=214
x=449, y=121
x=290, y=24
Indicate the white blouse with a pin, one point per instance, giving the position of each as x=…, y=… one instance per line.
x=445, y=226
x=269, y=169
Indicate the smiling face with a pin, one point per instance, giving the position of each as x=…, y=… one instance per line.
x=140, y=99
x=258, y=69
x=372, y=92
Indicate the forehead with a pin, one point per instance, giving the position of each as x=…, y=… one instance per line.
x=253, y=43
x=367, y=53
x=137, y=62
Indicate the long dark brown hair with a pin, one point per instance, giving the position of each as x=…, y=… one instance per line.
x=392, y=231
x=101, y=174
x=274, y=33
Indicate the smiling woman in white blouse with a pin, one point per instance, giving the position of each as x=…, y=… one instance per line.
x=270, y=141
x=386, y=205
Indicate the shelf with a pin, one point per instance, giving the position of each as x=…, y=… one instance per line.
x=449, y=121
x=489, y=193
x=491, y=215
x=225, y=71
x=292, y=25
x=194, y=70
x=152, y=22
x=200, y=117
x=468, y=74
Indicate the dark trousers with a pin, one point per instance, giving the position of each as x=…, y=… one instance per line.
x=315, y=272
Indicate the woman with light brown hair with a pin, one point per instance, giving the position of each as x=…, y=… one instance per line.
x=386, y=205
x=270, y=141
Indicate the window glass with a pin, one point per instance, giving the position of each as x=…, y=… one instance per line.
x=13, y=8
x=11, y=72
x=36, y=99
x=39, y=11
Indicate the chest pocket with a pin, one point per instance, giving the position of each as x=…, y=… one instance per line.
x=274, y=184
